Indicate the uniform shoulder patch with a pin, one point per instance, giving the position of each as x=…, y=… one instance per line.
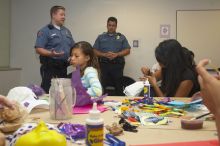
x=118, y=33
x=40, y=33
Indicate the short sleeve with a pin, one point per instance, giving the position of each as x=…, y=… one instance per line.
x=42, y=39
x=125, y=44
x=96, y=44
x=188, y=75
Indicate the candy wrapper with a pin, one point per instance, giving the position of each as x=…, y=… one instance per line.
x=73, y=131
x=36, y=89
x=152, y=119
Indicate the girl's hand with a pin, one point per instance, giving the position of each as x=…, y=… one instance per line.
x=5, y=102
x=145, y=71
x=142, y=78
x=196, y=96
x=152, y=79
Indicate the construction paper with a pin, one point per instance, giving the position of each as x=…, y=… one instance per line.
x=194, y=143
x=85, y=109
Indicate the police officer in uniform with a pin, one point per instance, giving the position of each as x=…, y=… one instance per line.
x=111, y=47
x=53, y=44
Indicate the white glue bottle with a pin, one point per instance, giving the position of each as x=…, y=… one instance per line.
x=146, y=89
x=94, y=128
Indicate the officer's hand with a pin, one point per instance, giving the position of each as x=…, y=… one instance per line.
x=56, y=54
x=112, y=55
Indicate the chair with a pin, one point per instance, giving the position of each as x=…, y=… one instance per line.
x=125, y=81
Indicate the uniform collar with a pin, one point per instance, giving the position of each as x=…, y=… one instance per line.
x=56, y=26
x=111, y=34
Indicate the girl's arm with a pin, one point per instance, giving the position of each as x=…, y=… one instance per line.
x=182, y=91
x=95, y=87
x=5, y=102
x=184, y=88
x=153, y=81
x=157, y=90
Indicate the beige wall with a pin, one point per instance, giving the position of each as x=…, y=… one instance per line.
x=139, y=19
x=203, y=27
x=4, y=32
x=9, y=78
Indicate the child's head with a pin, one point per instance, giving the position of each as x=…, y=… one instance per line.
x=82, y=54
x=173, y=59
x=169, y=53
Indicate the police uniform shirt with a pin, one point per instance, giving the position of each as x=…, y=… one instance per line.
x=115, y=42
x=56, y=38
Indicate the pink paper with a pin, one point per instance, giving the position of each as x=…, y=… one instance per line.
x=85, y=109
x=194, y=143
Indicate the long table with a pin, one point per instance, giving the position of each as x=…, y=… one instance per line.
x=146, y=134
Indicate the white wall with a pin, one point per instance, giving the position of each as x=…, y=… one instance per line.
x=5, y=32
x=139, y=19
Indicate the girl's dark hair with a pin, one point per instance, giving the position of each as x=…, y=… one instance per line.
x=87, y=50
x=175, y=60
x=190, y=57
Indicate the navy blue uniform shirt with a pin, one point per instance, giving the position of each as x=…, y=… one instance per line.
x=50, y=37
x=115, y=42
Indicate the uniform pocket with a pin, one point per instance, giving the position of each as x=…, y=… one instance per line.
x=118, y=44
x=69, y=40
x=55, y=40
x=104, y=44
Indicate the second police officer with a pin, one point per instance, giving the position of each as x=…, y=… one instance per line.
x=111, y=47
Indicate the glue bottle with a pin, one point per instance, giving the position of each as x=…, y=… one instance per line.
x=146, y=89
x=94, y=128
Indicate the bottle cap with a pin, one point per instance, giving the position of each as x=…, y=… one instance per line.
x=146, y=82
x=94, y=113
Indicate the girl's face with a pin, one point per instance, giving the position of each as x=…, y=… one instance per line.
x=78, y=58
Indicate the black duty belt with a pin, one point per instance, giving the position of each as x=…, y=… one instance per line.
x=53, y=62
x=118, y=60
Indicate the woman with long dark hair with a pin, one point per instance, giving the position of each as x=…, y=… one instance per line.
x=178, y=75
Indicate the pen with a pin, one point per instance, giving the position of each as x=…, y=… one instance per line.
x=203, y=115
x=214, y=67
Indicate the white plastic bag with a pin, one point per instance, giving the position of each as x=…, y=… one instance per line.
x=134, y=89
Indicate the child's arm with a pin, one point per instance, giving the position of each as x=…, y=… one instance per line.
x=184, y=88
x=153, y=81
x=95, y=87
x=5, y=102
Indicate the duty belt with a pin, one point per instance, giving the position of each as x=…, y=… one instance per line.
x=53, y=62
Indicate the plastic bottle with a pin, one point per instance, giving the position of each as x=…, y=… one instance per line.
x=94, y=128
x=147, y=96
x=146, y=89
